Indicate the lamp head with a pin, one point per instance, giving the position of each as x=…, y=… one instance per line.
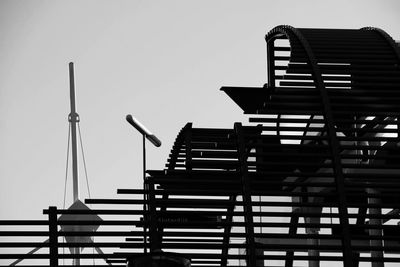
x=143, y=130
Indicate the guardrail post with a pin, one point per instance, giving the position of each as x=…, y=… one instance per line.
x=53, y=237
x=251, y=254
x=154, y=241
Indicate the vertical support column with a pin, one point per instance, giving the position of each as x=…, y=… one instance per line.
x=271, y=62
x=227, y=230
x=145, y=197
x=294, y=220
x=188, y=144
x=246, y=193
x=144, y=157
x=154, y=240
x=53, y=237
x=375, y=232
x=314, y=242
x=314, y=220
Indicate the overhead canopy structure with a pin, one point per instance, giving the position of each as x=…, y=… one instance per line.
x=313, y=180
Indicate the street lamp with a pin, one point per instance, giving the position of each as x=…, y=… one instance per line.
x=146, y=134
x=155, y=141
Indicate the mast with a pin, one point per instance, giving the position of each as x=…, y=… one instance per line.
x=73, y=119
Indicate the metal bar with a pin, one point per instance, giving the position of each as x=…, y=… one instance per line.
x=294, y=219
x=375, y=232
x=154, y=240
x=227, y=231
x=53, y=237
x=246, y=194
x=145, y=196
x=188, y=145
x=271, y=62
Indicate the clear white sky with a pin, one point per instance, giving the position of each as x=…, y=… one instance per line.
x=163, y=61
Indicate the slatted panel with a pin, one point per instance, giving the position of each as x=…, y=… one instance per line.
x=51, y=239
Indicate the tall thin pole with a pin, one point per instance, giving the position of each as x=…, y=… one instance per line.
x=73, y=119
x=145, y=196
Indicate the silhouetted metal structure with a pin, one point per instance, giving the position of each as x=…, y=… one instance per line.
x=314, y=180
